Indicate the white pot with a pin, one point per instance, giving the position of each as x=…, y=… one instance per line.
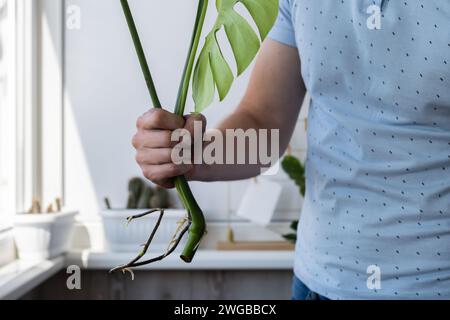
x=43, y=236
x=7, y=250
x=121, y=237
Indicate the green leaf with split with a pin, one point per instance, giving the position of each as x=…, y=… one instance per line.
x=212, y=70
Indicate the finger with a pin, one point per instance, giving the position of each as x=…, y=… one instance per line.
x=146, y=156
x=167, y=183
x=153, y=139
x=165, y=171
x=193, y=121
x=160, y=119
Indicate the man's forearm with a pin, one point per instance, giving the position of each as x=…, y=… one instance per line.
x=230, y=170
x=272, y=102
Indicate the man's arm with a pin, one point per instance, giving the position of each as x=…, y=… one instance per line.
x=272, y=101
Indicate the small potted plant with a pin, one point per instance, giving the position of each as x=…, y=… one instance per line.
x=122, y=235
x=43, y=234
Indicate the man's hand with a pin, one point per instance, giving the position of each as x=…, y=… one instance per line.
x=272, y=101
x=154, y=146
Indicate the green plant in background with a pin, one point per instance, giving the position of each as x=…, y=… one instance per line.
x=296, y=171
x=292, y=237
x=135, y=187
x=107, y=203
x=211, y=72
x=144, y=199
x=143, y=196
x=159, y=198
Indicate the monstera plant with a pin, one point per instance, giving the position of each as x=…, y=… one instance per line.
x=207, y=71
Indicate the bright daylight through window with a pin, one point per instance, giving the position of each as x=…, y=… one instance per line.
x=7, y=113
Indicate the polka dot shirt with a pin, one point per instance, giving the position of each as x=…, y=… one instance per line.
x=376, y=218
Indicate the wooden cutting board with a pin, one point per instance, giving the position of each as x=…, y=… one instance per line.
x=255, y=246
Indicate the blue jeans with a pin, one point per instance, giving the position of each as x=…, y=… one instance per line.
x=301, y=292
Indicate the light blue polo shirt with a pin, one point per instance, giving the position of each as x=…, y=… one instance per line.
x=378, y=166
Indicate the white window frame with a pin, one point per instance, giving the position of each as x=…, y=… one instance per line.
x=8, y=140
x=36, y=137
x=40, y=101
x=26, y=101
x=51, y=106
x=8, y=126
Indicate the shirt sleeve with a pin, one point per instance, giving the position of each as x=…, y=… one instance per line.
x=283, y=30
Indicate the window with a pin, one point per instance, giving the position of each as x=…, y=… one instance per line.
x=7, y=113
x=30, y=107
x=30, y=104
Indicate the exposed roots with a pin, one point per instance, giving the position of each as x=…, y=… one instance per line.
x=182, y=228
x=130, y=271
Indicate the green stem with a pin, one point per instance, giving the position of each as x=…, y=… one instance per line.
x=187, y=73
x=198, y=225
x=141, y=54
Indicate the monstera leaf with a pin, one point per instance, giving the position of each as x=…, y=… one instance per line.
x=212, y=70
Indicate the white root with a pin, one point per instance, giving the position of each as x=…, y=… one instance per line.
x=130, y=271
x=180, y=225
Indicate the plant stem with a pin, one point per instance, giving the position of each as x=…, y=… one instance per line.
x=198, y=226
x=187, y=73
x=141, y=55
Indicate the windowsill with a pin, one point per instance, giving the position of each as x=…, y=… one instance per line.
x=20, y=277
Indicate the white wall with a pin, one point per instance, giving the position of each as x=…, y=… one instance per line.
x=105, y=93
